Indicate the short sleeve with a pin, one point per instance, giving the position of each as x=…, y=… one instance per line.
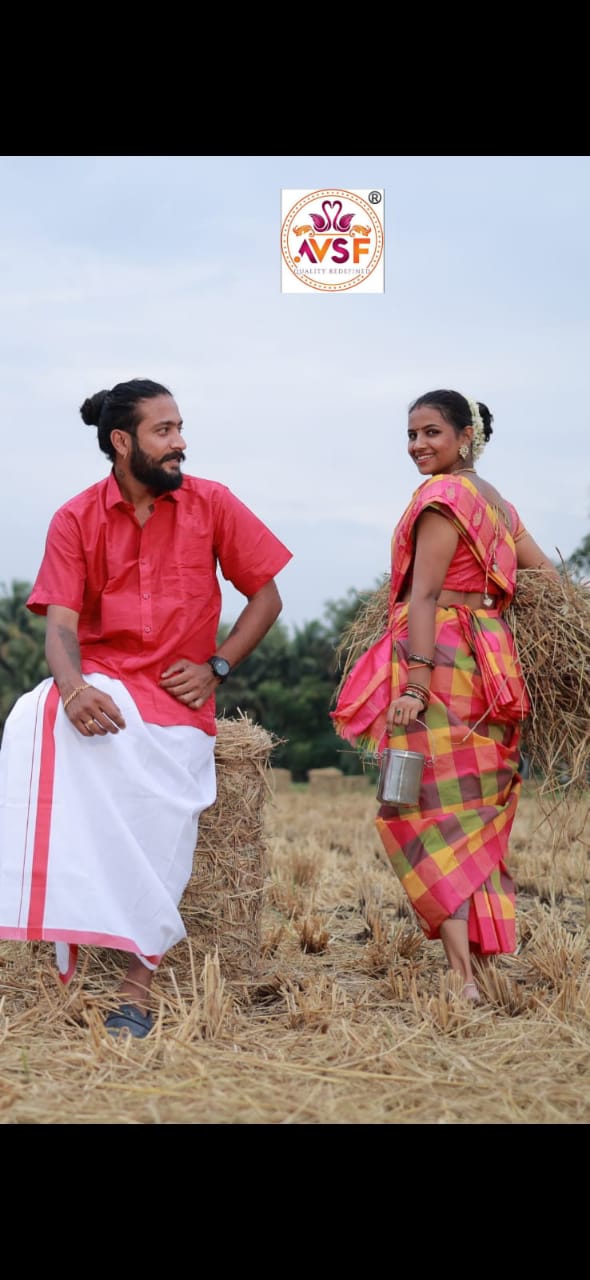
x=520, y=531
x=62, y=576
x=517, y=528
x=249, y=554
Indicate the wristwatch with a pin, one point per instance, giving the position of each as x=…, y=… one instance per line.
x=220, y=666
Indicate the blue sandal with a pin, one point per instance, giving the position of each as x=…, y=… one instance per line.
x=129, y=1018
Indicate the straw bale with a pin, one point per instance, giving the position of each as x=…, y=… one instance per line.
x=321, y=780
x=222, y=903
x=279, y=779
x=550, y=621
x=366, y=628
x=357, y=782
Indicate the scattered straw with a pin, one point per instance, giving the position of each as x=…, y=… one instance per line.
x=365, y=1028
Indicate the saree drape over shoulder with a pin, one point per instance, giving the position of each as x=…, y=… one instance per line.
x=449, y=852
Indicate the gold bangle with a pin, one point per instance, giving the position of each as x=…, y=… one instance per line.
x=71, y=696
x=418, y=691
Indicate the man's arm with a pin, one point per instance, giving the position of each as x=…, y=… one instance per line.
x=91, y=711
x=255, y=620
x=62, y=649
x=193, y=683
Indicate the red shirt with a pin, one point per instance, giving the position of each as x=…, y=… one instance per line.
x=149, y=596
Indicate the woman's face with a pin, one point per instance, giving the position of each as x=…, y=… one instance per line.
x=433, y=444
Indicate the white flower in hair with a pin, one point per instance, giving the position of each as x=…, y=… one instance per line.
x=479, y=439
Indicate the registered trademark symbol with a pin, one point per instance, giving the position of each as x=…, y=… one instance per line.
x=375, y=197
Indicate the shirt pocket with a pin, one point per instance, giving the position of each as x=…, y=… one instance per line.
x=192, y=580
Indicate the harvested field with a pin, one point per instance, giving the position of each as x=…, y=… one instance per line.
x=350, y=1018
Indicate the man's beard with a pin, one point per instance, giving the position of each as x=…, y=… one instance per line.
x=152, y=473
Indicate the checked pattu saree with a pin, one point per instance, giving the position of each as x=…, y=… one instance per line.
x=449, y=852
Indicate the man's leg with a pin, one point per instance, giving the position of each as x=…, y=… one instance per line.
x=135, y=987
x=133, y=1015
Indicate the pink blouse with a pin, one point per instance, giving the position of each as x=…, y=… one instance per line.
x=464, y=573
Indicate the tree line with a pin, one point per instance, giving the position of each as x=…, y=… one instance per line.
x=287, y=684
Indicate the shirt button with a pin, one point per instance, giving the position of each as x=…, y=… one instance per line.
x=146, y=595
x=147, y=628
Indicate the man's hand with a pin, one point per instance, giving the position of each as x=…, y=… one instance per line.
x=190, y=682
x=93, y=713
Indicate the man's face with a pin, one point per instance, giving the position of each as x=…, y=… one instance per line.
x=157, y=449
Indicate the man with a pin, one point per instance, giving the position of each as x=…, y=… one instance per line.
x=106, y=767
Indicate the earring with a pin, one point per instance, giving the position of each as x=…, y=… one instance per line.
x=464, y=451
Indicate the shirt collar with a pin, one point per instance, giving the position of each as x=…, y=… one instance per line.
x=115, y=498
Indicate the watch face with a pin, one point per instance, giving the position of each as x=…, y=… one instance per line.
x=221, y=667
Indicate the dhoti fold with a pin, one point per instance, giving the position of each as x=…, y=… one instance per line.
x=97, y=835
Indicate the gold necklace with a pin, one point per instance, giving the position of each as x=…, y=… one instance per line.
x=460, y=469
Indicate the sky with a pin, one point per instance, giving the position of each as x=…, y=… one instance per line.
x=169, y=268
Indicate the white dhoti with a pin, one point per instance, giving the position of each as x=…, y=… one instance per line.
x=97, y=835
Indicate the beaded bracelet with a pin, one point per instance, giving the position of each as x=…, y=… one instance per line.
x=419, y=657
x=71, y=696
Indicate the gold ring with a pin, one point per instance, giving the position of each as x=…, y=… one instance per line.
x=88, y=723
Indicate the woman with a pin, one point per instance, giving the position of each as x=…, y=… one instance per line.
x=445, y=681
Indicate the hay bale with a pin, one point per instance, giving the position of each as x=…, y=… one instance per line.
x=279, y=779
x=222, y=902
x=366, y=628
x=357, y=782
x=325, y=780
x=550, y=621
